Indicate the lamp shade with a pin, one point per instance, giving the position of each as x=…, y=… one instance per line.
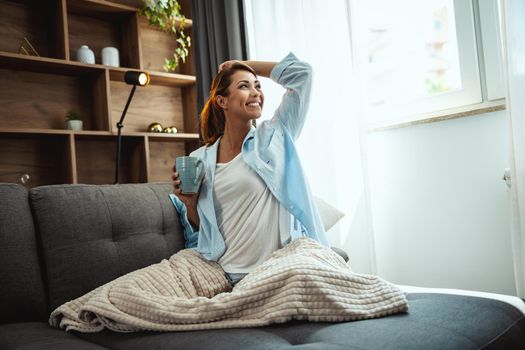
x=136, y=78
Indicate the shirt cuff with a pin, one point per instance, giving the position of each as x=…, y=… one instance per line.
x=190, y=235
x=277, y=71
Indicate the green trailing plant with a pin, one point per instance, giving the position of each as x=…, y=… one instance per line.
x=73, y=114
x=167, y=16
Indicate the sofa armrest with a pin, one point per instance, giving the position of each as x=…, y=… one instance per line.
x=341, y=252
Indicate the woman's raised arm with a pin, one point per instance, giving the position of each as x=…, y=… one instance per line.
x=262, y=68
x=296, y=77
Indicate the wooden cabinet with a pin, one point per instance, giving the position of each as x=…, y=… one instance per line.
x=37, y=92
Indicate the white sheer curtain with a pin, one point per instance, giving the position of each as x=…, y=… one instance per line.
x=514, y=38
x=330, y=144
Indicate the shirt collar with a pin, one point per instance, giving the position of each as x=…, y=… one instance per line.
x=211, y=151
x=250, y=134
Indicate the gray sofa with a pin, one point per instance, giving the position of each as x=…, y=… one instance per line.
x=59, y=242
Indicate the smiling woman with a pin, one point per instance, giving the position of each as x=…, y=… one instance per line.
x=241, y=103
x=212, y=116
x=254, y=186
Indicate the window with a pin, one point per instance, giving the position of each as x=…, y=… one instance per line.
x=418, y=57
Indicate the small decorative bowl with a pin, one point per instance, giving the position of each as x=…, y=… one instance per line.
x=155, y=127
x=170, y=130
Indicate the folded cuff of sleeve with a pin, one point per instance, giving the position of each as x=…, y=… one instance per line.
x=190, y=234
x=277, y=71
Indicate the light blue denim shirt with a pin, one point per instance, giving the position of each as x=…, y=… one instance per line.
x=270, y=151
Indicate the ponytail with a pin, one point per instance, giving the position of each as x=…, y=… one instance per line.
x=212, y=115
x=212, y=121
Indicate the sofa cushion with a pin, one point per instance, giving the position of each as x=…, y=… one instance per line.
x=22, y=295
x=434, y=322
x=94, y=234
x=39, y=335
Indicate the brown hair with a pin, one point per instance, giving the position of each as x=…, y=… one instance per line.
x=212, y=115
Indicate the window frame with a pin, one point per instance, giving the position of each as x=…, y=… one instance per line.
x=477, y=82
x=490, y=41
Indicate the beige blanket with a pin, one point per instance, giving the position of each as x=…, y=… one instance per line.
x=303, y=281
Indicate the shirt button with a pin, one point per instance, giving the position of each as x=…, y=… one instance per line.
x=291, y=206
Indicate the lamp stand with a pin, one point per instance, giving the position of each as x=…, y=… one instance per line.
x=119, y=133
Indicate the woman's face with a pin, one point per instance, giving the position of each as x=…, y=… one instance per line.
x=245, y=98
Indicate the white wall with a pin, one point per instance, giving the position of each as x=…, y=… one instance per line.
x=439, y=205
x=354, y=234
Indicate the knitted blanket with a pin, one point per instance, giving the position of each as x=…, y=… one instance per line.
x=302, y=281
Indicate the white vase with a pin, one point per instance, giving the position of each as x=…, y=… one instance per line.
x=110, y=56
x=74, y=124
x=85, y=55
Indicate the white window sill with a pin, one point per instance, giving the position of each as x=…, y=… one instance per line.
x=446, y=114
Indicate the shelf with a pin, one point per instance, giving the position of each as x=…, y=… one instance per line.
x=138, y=4
x=100, y=24
x=45, y=158
x=103, y=7
x=51, y=131
x=41, y=100
x=178, y=136
x=57, y=66
x=36, y=93
x=151, y=135
x=27, y=63
x=100, y=7
x=38, y=21
x=95, y=160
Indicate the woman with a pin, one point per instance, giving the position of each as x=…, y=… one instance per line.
x=254, y=197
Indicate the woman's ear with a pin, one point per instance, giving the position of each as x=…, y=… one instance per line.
x=222, y=102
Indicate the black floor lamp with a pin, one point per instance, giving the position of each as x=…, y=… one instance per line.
x=133, y=78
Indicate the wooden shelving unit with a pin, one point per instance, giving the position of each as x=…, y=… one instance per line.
x=36, y=93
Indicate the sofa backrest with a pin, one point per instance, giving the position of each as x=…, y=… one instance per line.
x=22, y=293
x=93, y=234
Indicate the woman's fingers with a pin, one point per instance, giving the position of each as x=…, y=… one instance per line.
x=176, y=183
x=226, y=64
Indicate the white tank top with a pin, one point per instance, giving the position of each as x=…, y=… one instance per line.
x=250, y=218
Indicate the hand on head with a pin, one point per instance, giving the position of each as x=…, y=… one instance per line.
x=227, y=64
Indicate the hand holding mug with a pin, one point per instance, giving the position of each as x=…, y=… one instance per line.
x=187, y=178
x=189, y=199
x=188, y=173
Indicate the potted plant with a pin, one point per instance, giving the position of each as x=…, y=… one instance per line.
x=73, y=120
x=167, y=15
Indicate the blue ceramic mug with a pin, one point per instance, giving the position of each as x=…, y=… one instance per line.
x=191, y=171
